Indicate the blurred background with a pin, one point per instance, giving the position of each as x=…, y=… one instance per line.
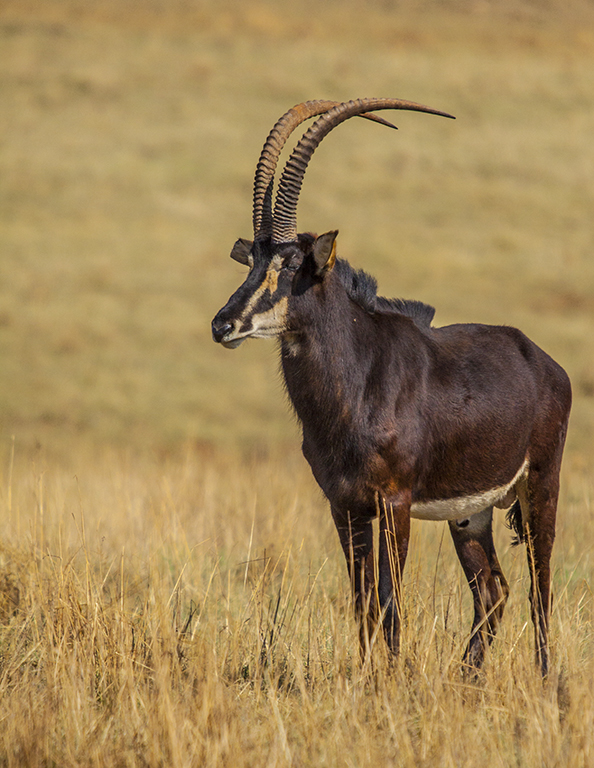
x=129, y=135
x=160, y=528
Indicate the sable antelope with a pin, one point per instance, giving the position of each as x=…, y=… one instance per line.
x=401, y=419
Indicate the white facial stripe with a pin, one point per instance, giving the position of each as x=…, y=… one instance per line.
x=270, y=282
x=464, y=506
x=270, y=323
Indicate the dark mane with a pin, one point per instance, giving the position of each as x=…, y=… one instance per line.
x=362, y=289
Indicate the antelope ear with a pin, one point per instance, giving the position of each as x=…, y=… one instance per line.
x=324, y=251
x=241, y=252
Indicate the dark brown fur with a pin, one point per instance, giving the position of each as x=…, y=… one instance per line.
x=400, y=418
x=396, y=412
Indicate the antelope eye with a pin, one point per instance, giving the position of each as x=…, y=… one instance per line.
x=292, y=264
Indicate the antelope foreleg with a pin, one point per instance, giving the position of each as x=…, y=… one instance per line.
x=356, y=539
x=393, y=547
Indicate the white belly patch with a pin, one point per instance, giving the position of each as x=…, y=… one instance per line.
x=464, y=506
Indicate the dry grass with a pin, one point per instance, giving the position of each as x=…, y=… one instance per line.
x=171, y=591
x=156, y=614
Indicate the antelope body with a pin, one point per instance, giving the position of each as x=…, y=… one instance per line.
x=401, y=419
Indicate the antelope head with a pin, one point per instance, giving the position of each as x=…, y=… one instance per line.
x=281, y=262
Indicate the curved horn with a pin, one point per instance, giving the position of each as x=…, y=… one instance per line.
x=284, y=227
x=266, y=168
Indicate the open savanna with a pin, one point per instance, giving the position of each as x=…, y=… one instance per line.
x=171, y=589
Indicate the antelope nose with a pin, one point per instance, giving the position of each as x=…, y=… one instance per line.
x=220, y=329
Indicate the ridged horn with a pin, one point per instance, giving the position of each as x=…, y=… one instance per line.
x=266, y=168
x=284, y=226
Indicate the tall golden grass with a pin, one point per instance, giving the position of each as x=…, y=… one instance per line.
x=171, y=588
x=196, y=612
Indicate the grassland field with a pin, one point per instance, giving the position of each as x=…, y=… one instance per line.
x=171, y=588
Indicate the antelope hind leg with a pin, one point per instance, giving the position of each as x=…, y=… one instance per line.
x=473, y=539
x=538, y=499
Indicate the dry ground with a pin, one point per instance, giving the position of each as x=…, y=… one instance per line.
x=171, y=591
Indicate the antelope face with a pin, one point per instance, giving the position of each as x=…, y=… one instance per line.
x=259, y=308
